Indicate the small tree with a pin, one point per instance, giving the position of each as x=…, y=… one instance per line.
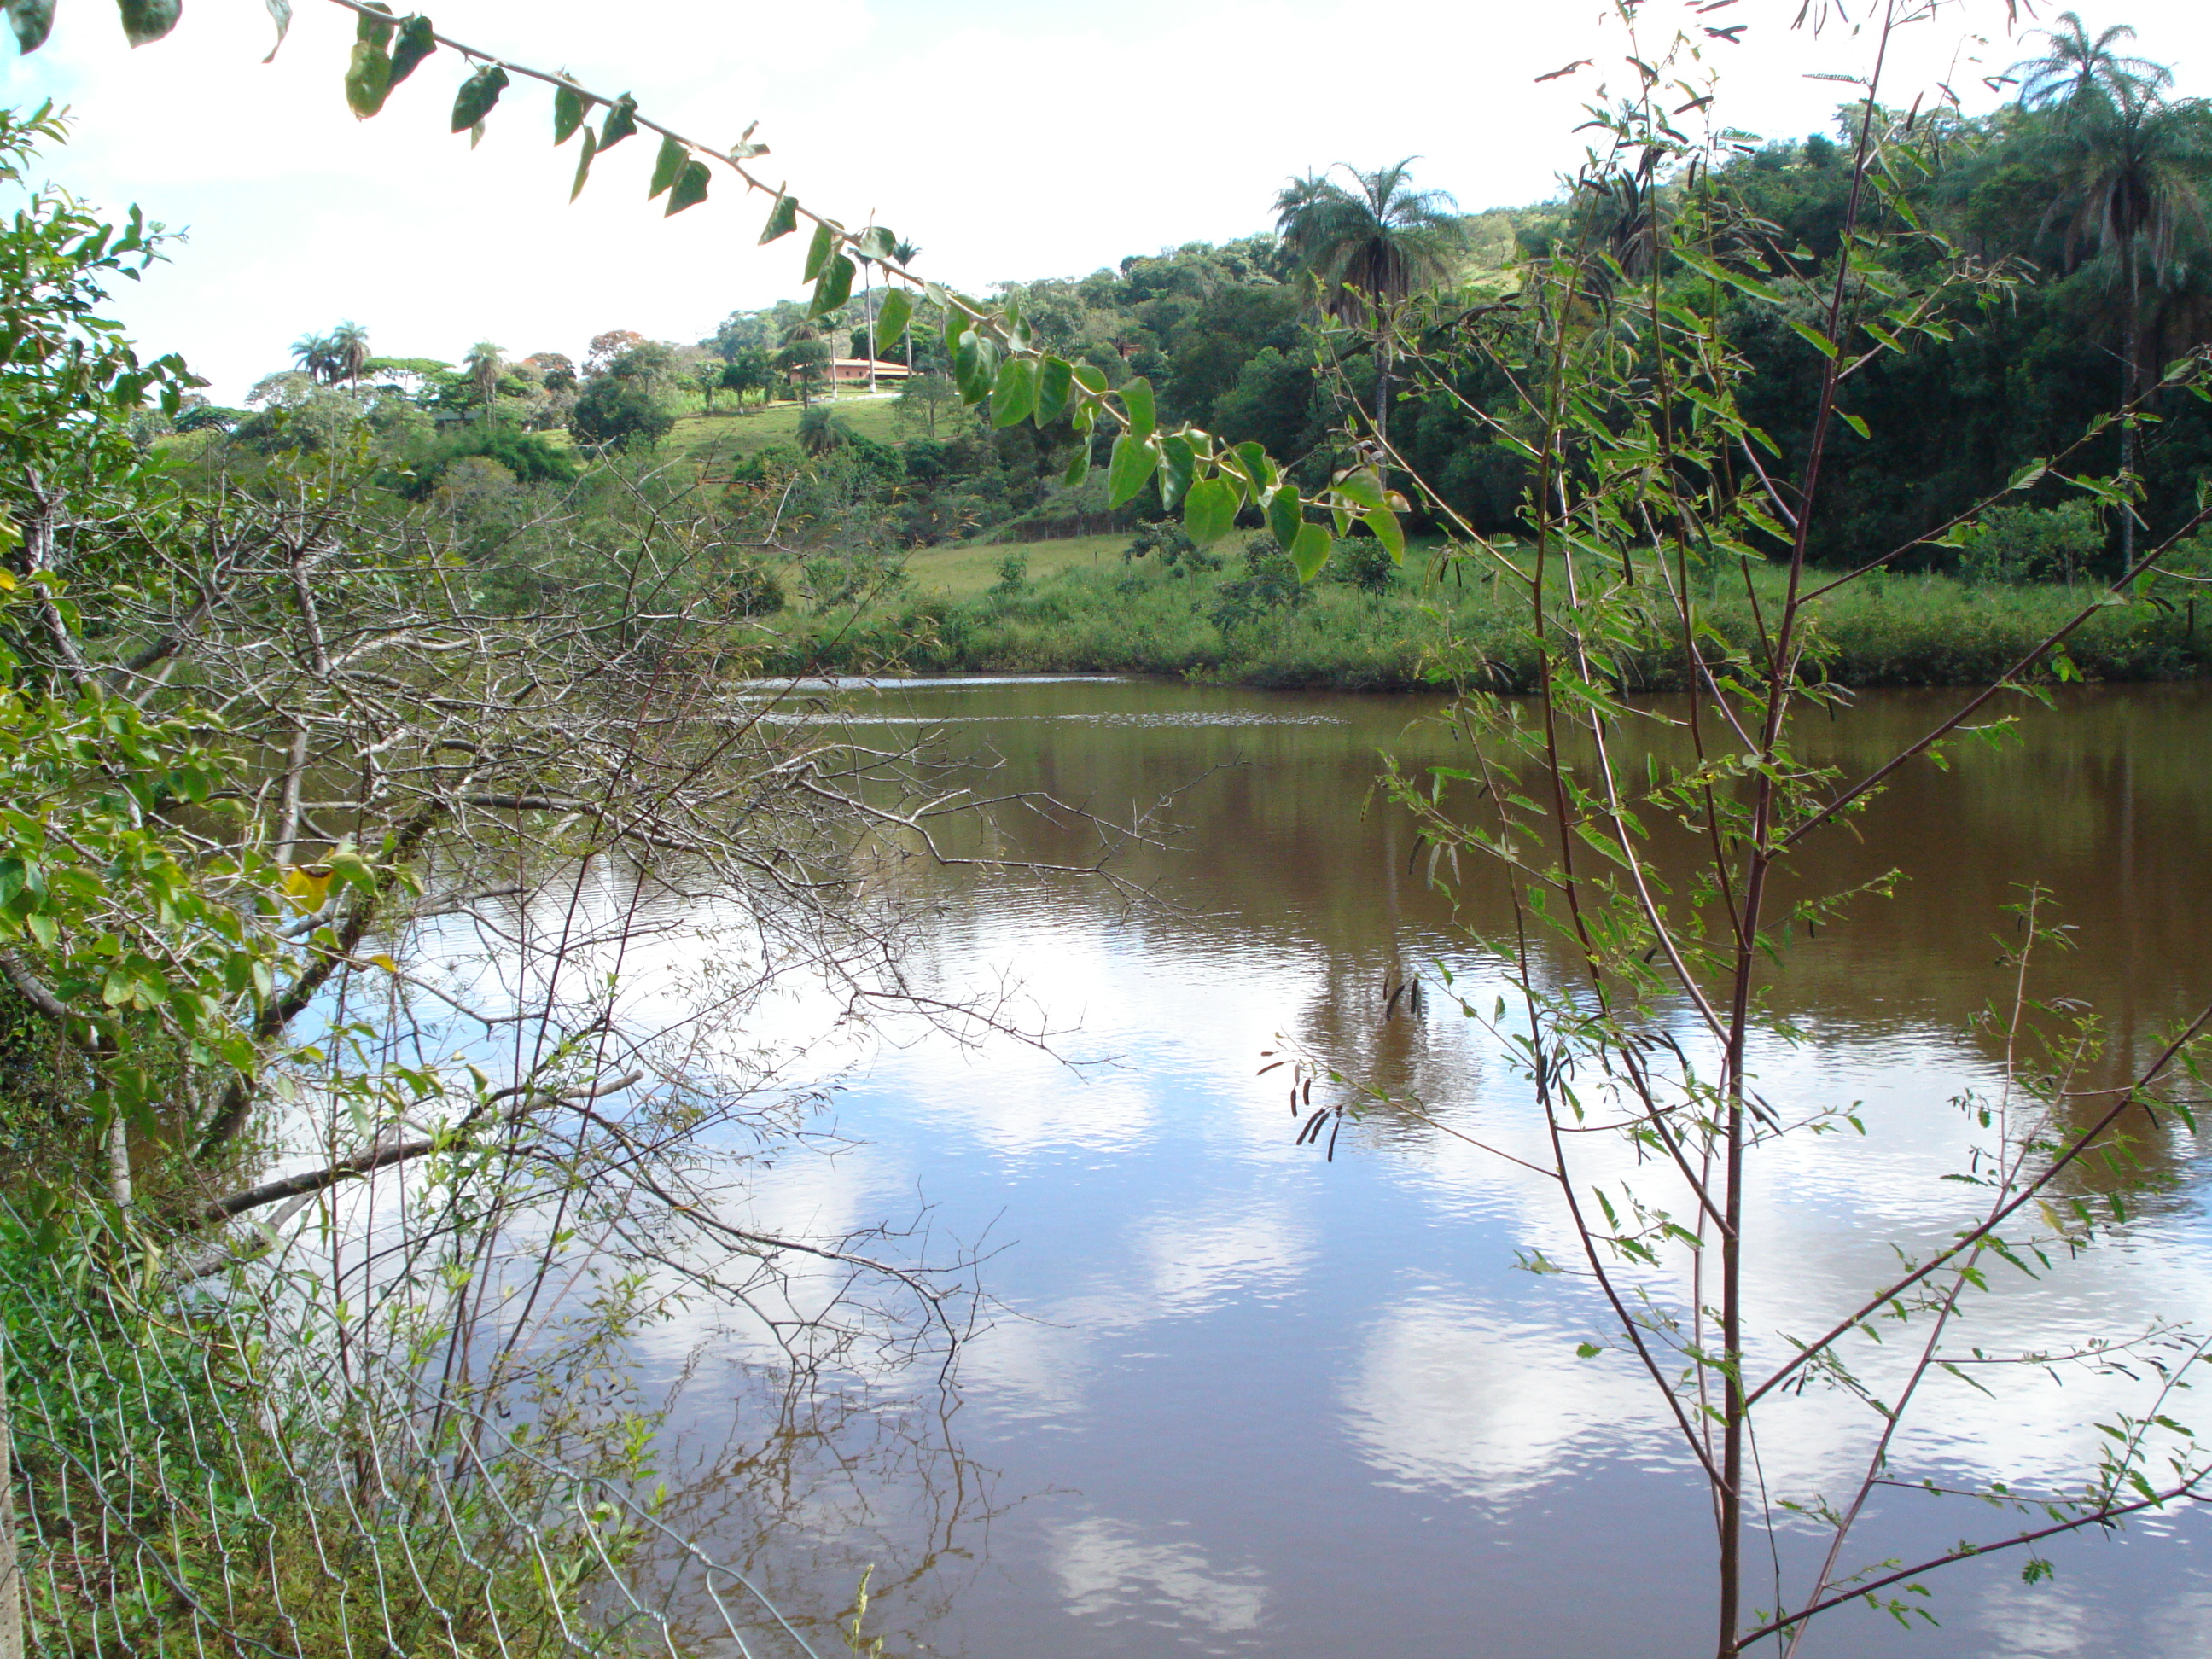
x=747, y=373
x=924, y=400
x=806, y=364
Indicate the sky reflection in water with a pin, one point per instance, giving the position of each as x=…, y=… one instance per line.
x=1243, y=1399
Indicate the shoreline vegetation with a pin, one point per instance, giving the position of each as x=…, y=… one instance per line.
x=1080, y=607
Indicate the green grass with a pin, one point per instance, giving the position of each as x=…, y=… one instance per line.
x=1085, y=610
x=962, y=570
x=725, y=435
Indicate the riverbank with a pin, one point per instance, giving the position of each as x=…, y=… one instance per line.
x=1137, y=617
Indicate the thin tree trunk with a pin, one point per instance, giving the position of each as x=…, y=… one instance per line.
x=868, y=309
x=1382, y=361
x=11, y=1574
x=119, y=1161
x=2130, y=378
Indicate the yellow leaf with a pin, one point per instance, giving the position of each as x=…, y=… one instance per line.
x=385, y=963
x=308, y=888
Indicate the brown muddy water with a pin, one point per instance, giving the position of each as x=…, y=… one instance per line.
x=1239, y=1398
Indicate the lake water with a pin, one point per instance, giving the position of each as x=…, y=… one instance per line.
x=1239, y=1397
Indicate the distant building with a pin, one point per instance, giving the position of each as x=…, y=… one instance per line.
x=853, y=371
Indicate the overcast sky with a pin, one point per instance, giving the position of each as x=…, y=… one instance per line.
x=1009, y=138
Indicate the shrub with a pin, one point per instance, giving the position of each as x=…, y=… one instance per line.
x=2022, y=543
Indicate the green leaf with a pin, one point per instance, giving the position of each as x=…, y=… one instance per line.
x=1734, y=279
x=1286, y=513
x=476, y=96
x=1254, y=459
x=32, y=20
x=975, y=366
x=1055, y=384
x=1362, y=487
x=1132, y=463
x=1309, y=552
x=892, y=321
x=690, y=188
x=1177, y=461
x=417, y=41
x=782, y=220
x=351, y=870
x=666, y=165
x=877, y=243
x=620, y=122
x=1388, y=531
x=368, y=79
x=584, y=163
x=818, y=251
x=149, y=20
x=1078, y=467
x=2031, y=473
x=1820, y=341
x=1209, y=510
x=834, y=288
x=371, y=28
x=1137, y=404
x=1854, y=422
x=569, y=106
x=1090, y=377
x=1013, y=394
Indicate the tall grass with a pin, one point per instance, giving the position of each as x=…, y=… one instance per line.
x=1135, y=619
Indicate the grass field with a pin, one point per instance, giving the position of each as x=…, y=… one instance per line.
x=962, y=570
x=725, y=436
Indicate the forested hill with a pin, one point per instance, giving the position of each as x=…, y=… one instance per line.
x=1231, y=337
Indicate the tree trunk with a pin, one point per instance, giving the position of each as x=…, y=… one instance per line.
x=1383, y=359
x=868, y=309
x=11, y=1575
x=2131, y=379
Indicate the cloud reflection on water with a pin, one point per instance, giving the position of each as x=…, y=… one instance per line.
x=1211, y=1331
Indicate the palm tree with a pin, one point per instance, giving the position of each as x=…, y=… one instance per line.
x=905, y=253
x=484, y=364
x=349, y=347
x=822, y=430
x=2126, y=164
x=868, y=311
x=2075, y=66
x=1368, y=250
x=315, y=354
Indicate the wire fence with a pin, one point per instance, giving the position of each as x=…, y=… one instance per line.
x=225, y=1467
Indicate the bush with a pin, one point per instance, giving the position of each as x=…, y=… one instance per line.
x=1364, y=563
x=1178, y=553
x=530, y=457
x=2024, y=543
x=1270, y=584
x=616, y=411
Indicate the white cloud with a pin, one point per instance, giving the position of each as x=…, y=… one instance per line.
x=1009, y=137
x=1110, y=1572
